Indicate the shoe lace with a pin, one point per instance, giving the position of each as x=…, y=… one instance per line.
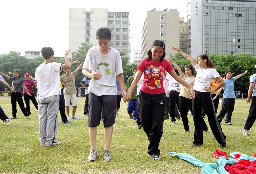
x=107, y=153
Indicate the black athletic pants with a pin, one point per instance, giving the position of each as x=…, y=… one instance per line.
x=152, y=118
x=226, y=109
x=17, y=97
x=252, y=115
x=204, y=100
x=27, y=102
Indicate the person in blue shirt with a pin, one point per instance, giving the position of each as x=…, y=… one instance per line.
x=252, y=112
x=229, y=97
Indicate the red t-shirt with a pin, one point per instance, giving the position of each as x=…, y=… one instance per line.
x=153, y=75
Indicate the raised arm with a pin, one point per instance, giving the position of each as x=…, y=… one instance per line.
x=188, y=57
x=67, y=63
x=79, y=66
x=240, y=75
x=5, y=75
x=177, y=67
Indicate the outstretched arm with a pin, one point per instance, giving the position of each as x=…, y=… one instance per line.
x=5, y=75
x=188, y=57
x=240, y=75
x=8, y=86
x=79, y=67
x=177, y=67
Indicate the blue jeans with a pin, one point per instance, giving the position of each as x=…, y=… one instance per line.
x=132, y=108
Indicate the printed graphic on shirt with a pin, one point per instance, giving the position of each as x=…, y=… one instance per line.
x=107, y=70
x=154, y=74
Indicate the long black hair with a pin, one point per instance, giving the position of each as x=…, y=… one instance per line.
x=158, y=43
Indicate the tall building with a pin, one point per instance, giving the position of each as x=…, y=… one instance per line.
x=223, y=27
x=84, y=23
x=136, y=57
x=161, y=25
x=183, y=35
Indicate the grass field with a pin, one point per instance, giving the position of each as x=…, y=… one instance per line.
x=20, y=151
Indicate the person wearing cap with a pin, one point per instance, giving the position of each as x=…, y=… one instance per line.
x=29, y=83
x=252, y=112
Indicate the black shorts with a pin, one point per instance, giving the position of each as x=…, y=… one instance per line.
x=101, y=106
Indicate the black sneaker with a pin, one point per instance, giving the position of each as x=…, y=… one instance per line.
x=67, y=122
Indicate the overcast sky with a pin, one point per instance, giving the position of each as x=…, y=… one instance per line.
x=29, y=25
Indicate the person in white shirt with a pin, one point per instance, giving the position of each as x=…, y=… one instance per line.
x=103, y=64
x=48, y=84
x=206, y=72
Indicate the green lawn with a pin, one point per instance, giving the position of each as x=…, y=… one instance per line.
x=20, y=151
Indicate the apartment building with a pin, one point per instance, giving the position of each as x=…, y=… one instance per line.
x=83, y=24
x=223, y=27
x=161, y=25
x=183, y=35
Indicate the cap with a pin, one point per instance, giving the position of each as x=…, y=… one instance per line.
x=26, y=74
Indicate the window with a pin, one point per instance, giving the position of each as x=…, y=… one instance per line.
x=118, y=22
x=162, y=17
x=162, y=25
x=230, y=8
x=223, y=8
x=238, y=46
x=110, y=22
x=88, y=25
x=118, y=15
x=118, y=37
x=88, y=16
x=125, y=15
x=162, y=33
x=118, y=29
x=125, y=29
x=111, y=15
x=238, y=15
x=125, y=22
x=124, y=37
x=238, y=40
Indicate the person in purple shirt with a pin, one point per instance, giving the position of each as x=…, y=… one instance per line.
x=29, y=83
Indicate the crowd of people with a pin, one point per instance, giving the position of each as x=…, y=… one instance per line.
x=155, y=92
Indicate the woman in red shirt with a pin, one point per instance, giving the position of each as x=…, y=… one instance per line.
x=152, y=94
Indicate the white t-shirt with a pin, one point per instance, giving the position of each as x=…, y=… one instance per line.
x=204, y=78
x=47, y=77
x=109, y=66
x=173, y=84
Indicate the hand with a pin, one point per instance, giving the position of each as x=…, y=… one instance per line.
x=13, y=90
x=10, y=73
x=76, y=61
x=29, y=94
x=192, y=93
x=67, y=52
x=248, y=100
x=96, y=76
x=214, y=98
x=124, y=96
x=208, y=90
x=246, y=71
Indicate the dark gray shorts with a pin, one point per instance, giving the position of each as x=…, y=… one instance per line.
x=101, y=106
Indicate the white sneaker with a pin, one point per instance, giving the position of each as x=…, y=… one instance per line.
x=68, y=117
x=107, y=155
x=245, y=133
x=93, y=155
x=7, y=121
x=74, y=117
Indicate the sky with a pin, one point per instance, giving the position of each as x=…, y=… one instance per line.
x=29, y=25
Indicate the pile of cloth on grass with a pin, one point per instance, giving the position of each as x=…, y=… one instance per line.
x=236, y=163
